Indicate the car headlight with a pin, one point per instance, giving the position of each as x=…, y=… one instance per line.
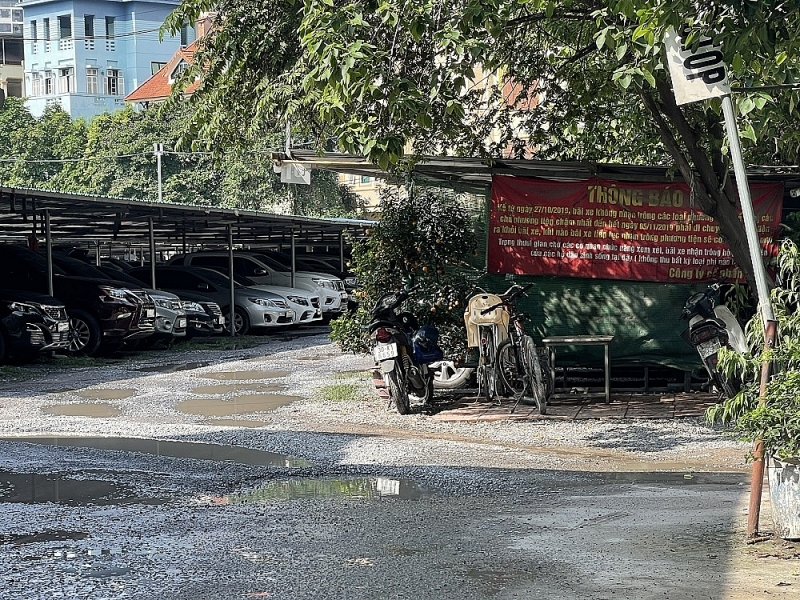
x=298, y=300
x=325, y=283
x=23, y=308
x=163, y=302
x=263, y=302
x=190, y=306
x=112, y=292
x=351, y=281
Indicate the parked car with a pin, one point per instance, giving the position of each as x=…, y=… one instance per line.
x=103, y=313
x=304, y=305
x=31, y=323
x=203, y=318
x=171, y=322
x=146, y=322
x=253, y=308
x=322, y=263
x=267, y=271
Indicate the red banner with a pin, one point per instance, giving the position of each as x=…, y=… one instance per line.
x=615, y=230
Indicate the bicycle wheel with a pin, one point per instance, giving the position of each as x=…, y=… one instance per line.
x=534, y=368
x=488, y=365
x=511, y=369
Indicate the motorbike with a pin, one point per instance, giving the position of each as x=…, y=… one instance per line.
x=404, y=350
x=713, y=326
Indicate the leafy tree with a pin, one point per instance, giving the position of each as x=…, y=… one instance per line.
x=553, y=78
x=113, y=155
x=38, y=151
x=423, y=237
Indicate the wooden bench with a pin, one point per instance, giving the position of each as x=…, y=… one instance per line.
x=581, y=340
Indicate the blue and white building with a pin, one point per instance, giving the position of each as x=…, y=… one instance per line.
x=87, y=54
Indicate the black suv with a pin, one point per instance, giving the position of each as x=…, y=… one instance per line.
x=30, y=323
x=103, y=313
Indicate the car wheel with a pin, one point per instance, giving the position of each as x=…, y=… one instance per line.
x=241, y=322
x=84, y=333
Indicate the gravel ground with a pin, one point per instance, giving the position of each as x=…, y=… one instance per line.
x=319, y=523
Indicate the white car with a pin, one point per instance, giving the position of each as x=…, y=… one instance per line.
x=264, y=270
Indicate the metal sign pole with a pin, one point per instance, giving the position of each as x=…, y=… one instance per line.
x=699, y=73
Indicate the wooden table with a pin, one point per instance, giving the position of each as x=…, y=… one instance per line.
x=581, y=340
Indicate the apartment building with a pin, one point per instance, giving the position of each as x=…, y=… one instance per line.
x=86, y=55
x=11, y=48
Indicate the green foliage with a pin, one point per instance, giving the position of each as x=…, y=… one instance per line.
x=341, y=392
x=776, y=420
x=113, y=155
x=424, y=237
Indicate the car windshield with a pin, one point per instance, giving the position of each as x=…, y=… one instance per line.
x=271, y=263
x=73, y=266
x=214, y=277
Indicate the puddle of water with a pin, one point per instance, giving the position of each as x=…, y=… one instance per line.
x=245, y=403
x=18, y=539
x=94, y=409
x=363, y=487
x=672, y=478
x=244, y=375
x=215, y=452
x=108, y=394
x=236, y=423
x=172, y=368
x=237, y=387
x=36, y=488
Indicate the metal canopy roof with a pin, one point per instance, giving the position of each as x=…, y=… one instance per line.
x=80, y=218
x=475, y=174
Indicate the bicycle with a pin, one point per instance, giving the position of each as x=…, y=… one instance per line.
x=507, y=354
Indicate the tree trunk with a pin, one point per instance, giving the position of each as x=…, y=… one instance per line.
x=709, y=177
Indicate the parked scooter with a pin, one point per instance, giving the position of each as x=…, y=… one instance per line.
x=404, y=350
x=713, y=326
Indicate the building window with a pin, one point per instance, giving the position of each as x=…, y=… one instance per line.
x=36, y=85
x=114, y=82
x=46, y=29
x=17, y=15
x=5, y=13
x=48, y=83
x=12, y=51
x=5, y=27
x=110, y=21
x=187, y=34
x=33, y=36
x=66, y=80
x=64, y=27
x=176, y=72
x=88, y=26
x=14, y=87
x=155, y=67
x=91, y=80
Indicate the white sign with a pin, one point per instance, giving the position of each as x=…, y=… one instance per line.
x=294, y=173
x=697, y=75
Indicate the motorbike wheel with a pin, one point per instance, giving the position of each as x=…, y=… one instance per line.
x=427, y=396
x=511, y=369
x=446, y=376
x=537, y=391
x=398, y=392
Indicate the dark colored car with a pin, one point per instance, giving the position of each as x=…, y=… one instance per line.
x=102, y=312
x=203, y=318
x=145, y=324
x=31, y=323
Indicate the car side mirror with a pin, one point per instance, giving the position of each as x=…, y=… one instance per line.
x=259, y=272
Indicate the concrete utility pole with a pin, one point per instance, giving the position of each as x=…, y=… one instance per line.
x=158, y=149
